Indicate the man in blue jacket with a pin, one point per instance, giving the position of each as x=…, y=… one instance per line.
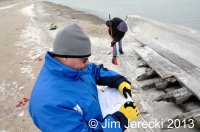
x=65, y=99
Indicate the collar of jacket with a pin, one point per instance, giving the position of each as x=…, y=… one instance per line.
x=60, y=69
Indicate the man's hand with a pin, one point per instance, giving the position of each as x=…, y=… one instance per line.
x=130, y=110
x=124, y=88
x=113, y=43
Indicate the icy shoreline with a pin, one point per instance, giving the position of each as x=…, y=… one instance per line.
x=25, y=35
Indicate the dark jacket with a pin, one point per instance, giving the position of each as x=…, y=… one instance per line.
x=116, y=34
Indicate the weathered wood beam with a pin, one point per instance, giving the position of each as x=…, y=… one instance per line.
x=148, y=74
x=177, y=96
x=183, y=119
x=197, y=121
x=165, y=68
x=171, y=79
x=189, y=106
x=174, y=58
x=149, y=83
x=138, y=57
x=161, y=85
x=172, y=88
x=165, y=82
x=142, y=64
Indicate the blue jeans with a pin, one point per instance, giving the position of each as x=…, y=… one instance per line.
x=115, y=48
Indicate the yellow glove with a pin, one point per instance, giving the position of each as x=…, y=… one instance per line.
x=130, y=110
x=124, y=88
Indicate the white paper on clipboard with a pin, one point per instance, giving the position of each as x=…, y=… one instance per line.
x=110, y=100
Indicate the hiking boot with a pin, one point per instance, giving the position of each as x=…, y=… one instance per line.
x=121, y=52
x=113, y=59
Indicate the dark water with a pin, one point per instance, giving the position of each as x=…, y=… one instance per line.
x=180, y=12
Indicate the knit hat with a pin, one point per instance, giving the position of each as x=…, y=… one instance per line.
x=122, y=27
x=71, y=41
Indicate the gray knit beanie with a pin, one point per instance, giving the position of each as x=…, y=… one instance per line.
x=71, y=41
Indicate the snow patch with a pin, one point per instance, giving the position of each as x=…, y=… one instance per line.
x=3, y=130
x=22, y=87
x=29, y=36
x=7, y=7
x=36, y=52
x=40, y=11
x=20, y=113
x=28, y=11
x=8, y=89
x=27, y=71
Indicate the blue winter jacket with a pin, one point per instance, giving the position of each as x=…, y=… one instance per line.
x=65, y=100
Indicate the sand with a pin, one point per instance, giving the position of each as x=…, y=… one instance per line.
x=25, y=37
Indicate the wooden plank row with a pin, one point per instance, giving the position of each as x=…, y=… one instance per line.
x=191, y=118
x=166, y=69
x=146, y=75
x=177, y=96
x=191, y=69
